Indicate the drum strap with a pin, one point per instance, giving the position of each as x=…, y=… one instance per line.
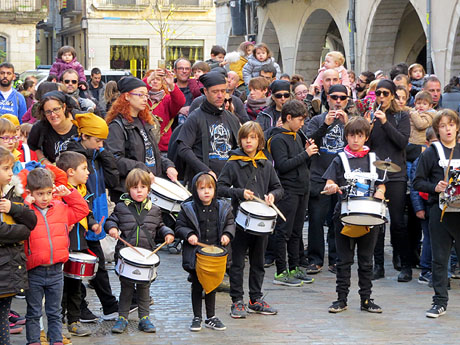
x=140, y=221
x=371, y=176
x=443, y=162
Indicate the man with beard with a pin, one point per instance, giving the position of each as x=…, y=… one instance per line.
x=363, y=82
x=11, y=101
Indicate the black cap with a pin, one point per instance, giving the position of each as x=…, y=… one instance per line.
x=387, y=84
x=129, y=83
x=338, y=88
x=280, y=85
x=212, y=78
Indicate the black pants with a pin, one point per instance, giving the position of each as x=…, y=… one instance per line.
x=256, y=245
x=442, y=236
x=345, y=254
x=396, y=194
x=100, y=282
x=320, y=209
x=197, y=293
x=5, y=304
x=414, y=234
x=288, y=234
x=71, y=299
x=128, y=287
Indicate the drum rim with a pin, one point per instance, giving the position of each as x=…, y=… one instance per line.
x=257, y=233
x=343, y=215
x=96, y=260
x=224, y=253
x=368, y=198
x=132, y=263
x=256, y=216
x=76, y=276
x=137, y=280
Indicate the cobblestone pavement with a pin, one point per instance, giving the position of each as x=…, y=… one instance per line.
x=302, y=318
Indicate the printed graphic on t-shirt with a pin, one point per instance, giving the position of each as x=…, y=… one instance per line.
x=333, y=141
x=219, y=141
x=149, y=155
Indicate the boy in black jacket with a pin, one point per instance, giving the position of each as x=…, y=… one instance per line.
x=210, y=221
x=291, y=159
x=246, y=174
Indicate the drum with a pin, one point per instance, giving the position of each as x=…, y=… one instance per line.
x=135, y=267
x=211, y=263
x=452, y=193
x=81, y=265
x=167, y=195
x=256, y=218
x=363, y=210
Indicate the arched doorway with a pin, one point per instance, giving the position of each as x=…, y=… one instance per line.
x=320, y=35
x=396, y=35
x=270, y=38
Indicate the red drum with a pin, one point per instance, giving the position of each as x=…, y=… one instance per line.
x=81, y=265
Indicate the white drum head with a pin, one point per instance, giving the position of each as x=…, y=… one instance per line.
x=258, y=208
x=165, y=187
x=131, y=255
x=82, y=257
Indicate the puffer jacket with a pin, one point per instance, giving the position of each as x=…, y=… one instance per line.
x=253, y=67
x=15, y=228
x=238, y=67
x=59, y=67
x=139, y=233
x=48, y=244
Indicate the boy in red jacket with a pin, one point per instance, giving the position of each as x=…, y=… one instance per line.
x=47, y=250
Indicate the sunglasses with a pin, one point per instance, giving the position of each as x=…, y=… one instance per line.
x=336, y=97
x=228, y=100
x=378, y=93
x=67, y=81
x=281, y=95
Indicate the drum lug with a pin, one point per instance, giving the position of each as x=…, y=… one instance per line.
x=248, y=219
x=122, y=266
x=82, y=269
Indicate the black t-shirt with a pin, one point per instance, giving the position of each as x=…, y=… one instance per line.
x=43, y=137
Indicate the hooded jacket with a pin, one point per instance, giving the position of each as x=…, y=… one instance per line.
x=253, y=67
x=188, y=224
x=268, y=117
x=15, y=104
x=59, y=67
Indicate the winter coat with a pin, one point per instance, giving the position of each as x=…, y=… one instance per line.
x=30, y=116
x=268, y=117
x=238, y=67
x=59, y=67
x=252, y=68
x=49, y=242
x=13, y=273
x=451, y=100
x=139, y=233
x=15, y=104
x=419, y=122
x=195, y=87
x=238, y=106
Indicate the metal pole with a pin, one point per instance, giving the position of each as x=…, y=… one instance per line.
x=428, y=37
x=351, y=33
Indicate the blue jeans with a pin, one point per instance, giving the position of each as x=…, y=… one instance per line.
x=425, y=258
x=44, y=281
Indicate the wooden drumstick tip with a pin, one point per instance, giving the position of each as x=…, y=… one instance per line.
x=156, y=250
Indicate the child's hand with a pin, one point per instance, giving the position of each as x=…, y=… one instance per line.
x=279, y=123
x=332, y=189
x=248, y=194
x=172, y=174
x=270, y=199
x=5, y=205
x=97, y=228
x=113, y=233
x=169, y=238
x=420, y=214
x=152, y=177
x=311, y=148
x=61, y=191
x=441, y=186
x=223, y=63
x=225, y=240
x=193, y=240
x=29, y=199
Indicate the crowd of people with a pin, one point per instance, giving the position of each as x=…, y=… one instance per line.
x=232, y=129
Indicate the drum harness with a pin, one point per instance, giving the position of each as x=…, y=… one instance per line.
x=354, y=187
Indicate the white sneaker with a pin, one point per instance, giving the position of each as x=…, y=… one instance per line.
x=110, y=317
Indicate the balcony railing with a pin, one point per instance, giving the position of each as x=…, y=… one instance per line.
x=115, y=3
x=22, y=5
x=133, y=4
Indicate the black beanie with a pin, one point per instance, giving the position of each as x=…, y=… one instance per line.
x=68, y=100
x=338, y=88
x=280, y=85
x=212, y=78
x=129, y=83
x=387, y=84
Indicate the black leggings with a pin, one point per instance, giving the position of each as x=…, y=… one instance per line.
x=5, y=305
x=209, y=299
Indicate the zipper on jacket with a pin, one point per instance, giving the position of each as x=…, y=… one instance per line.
x=49, y=238
x=78, y=236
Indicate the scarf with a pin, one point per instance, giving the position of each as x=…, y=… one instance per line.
x=256, y=104
x=210, y=108
x=260, y=155
x=294, y=134
x=359, y=154
x=156, y=96
x=81, y=188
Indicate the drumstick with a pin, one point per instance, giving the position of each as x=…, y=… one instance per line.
x=341, y=188
x=448, y=164
x=277, y=210
x=161, y=246
x=185, y=189
x=201, y=244
x=100, y=223
x=168, y=190
x=131, y=246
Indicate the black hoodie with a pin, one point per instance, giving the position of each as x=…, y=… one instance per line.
x=290, y=160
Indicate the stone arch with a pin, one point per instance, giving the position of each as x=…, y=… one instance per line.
x=270, y=38
x=319, y=35
x=453, y=47
x=396, y=34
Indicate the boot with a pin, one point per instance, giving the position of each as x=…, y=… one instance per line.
x=379, y=272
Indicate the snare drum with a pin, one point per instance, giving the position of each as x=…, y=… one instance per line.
x=363, y=210
x=135, y=267
x=211, y=263
x=81, y=265
x=167, y=195
x=256, y=218
x=452, y=195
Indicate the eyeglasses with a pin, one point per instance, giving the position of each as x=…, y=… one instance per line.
x=52, y=111
x=9, y=139
x=183, y=69
x=281, y=95
x=144, y=95
x=67, y=81
x=336, y=97
x=378, y=93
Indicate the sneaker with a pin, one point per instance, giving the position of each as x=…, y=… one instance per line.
x=44, y=339
x=435, y=311
x=425, y=278
x=66, y=341
x=303, y=262
x=300, y=274
x=175, y=247
x=370, y=306
x=196, y=324
x=120, y=325
x=215, y=324
x=109, y=317
x=332, y=268
x=238, y=310
x=15, y=318
x=20, y=295
x=269, y=262
x=145, y=325
x=405, y=275
x=314, y=268
x=259, y=306
x=337, y=307
x=15, y=329
x=77, y=329
x=86, y=316
x=285, y=278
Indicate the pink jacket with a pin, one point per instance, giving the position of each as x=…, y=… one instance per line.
x=60, y=66
x=343, y=75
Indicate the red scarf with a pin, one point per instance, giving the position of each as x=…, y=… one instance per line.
x=358, y=154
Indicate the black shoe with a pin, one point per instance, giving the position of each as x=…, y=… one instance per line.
x=369, y=306
x=269, y=262
x=86, y=316
x=396, y=262
x=215, y=324
x=332, y=268
x=379, y=272
x=405, y=275
x=303, y=262
x=337, y=307
x=196, y=324
x=435, y=311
